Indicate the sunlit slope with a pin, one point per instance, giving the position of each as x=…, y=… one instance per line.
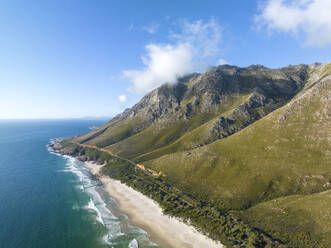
x=286, y=152
x=299, y=220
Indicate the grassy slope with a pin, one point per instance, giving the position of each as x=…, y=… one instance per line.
x=283, y=153
x=157, y=136
x=111, y=133
x=301, y=221
x=198, y=136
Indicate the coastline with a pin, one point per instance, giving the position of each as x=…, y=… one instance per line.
x=145, y=213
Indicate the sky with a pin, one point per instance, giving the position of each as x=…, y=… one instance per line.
x=74, y=59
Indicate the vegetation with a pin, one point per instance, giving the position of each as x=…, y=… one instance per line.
x=273, y=157
x=285, y=153
x=236, y=147
x=300, y=221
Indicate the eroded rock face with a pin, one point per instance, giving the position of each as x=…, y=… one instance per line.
x=255, y=108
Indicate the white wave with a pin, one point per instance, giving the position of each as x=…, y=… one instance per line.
x=92, y=206
x=96, y=203
x=133, y=244
x=51, y=151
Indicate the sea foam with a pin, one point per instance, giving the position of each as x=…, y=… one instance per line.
x=89, y=185
x=133, y=244
x=92, y=206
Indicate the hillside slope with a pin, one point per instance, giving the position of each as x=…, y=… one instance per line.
x=285, y=153
x=299, y=220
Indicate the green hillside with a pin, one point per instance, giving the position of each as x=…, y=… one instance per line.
x=301, y=221
x=283, y=153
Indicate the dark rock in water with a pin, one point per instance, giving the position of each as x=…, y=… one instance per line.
x=83, y=158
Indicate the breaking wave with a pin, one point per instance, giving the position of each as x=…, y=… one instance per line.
x=133, y=244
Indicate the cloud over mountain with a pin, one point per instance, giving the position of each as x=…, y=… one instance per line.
x=194, y=47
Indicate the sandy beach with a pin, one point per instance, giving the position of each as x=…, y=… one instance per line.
x=146, y=214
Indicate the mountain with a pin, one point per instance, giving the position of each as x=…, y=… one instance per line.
x=253, y=141
x=225, y=99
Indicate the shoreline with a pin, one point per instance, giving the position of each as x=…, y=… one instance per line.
x=145, y=213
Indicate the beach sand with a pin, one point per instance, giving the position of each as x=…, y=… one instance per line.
x=146, y=214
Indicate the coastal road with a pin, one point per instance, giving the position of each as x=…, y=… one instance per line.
x=132, y=163
x=110, y=153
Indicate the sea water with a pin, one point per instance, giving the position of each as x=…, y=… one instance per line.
x=47, y=200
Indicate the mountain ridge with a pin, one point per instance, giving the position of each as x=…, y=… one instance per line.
x=215, y=88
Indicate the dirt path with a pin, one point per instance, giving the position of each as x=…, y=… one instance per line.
x=142, y=168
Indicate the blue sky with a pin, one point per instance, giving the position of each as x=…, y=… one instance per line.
x=65, y=58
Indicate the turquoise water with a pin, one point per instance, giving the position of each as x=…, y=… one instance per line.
x=48, y=200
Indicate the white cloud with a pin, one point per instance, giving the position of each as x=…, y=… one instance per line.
x=307, y=19
x=122, y=98
x=165, y=63
x=221, y=62
x=206, y=37
x=193, y=48
x=151, y=28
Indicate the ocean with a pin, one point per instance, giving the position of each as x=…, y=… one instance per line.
x=47, y=200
